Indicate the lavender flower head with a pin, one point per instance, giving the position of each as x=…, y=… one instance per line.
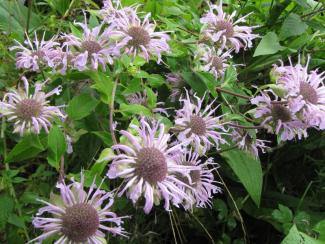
x=94, y=48
x=147, y=164
x=247, y=143
x=78, y=216
x=113, y=10
x=31, y=112
x=278, y=117
x=199, y=126
x=177, y=82
x=142, y=99
x=202, y=182
x=138, y=37
x=221, y=28
x=305, y=91
x=37, y=54
x=214, y=61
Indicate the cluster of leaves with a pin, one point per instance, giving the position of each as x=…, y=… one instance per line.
x=279, y=197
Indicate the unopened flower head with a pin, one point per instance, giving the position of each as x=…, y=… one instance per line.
x=78, y=216
x=30, y=112
x=201, y=180
x=214, y=61
x=278, y=117
x=94, y=48
x=177, y=82
x=246, y=142
x=36, y=55
x=221, y=28
x=305, y=91
x=147, y=164
x=198, y=126
x=138, y=37
x=142, y=99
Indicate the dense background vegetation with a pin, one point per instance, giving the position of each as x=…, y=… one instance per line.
x=279, y=197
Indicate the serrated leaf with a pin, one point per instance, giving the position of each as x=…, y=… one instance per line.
x=56, y=145
x=27, y=148
x=268, y=45
x=283, y=214
x=249, y=171
x=292, y=26
x=81, y=106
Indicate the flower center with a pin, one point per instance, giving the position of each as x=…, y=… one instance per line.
x=140, y=37
x=216, y=62
x=227, y=26
x=308, y=93
x=194, y=174
x=28, y=108
x=151, y=165
x=38, y=53
x=280, y=112
x=91, y=47
x=80, y=222
x=197, y=125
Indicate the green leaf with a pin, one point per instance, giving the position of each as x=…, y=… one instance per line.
x=195, y=82
x=320, y=228
x=283, y=214
x=27, y=148
x=105, y=156
x=56, y=146
x=81, y=106
x=268, y=45
x=104, y=136
x=297, y=237
x=16, y=220
x=6, y=208
x=103, y=84
x=151, y=98
x=249, y=171
x=135, y=109
x=292, y=26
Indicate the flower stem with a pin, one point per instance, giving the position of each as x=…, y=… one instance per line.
x=111, y=112
x=219, y=89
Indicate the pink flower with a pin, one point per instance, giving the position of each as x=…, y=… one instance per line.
x=94, y=48
x=221, y=28
x=78, y=216
x=147, y=164
x=198, y=126
x=201, y=180
x=279, y=118
x=214, y=61
x=30, y=112
x=37, y=54
x=138, y=37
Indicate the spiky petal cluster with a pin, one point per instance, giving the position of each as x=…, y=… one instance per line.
x=305, y=91
x=78, y=216
x=136, y=37
x=113, y=9
x=31, y=112
x=246, y=142
x=37, y=54
x=94, y=48
x=278, y=117
x=214, y=61
x=199, y=126
x=222, y=29
x=177, y=82
x=147, y=164
x=202, y=182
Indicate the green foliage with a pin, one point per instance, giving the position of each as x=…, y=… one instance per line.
x=81, y=106
x=268, y=45
x=56, y=145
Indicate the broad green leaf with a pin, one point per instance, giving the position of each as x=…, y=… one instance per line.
x=105, y=156
x=320, y=228
x=6, y=208
x=268, y=45
x=134, y=109
x=210, y=81
x=28, y=147
x=56, y=145
x=195, y=82
x=249, y=171
x=104, y=136
x=297, y=237
x=103, y=84
x=151, y=98
x=81, y=106
x=292, y=26
x=60, y=6
x=283, y=214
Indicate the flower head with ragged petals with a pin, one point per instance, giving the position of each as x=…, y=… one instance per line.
x=113, y=10
x=214, y=61
x=37, y=54
x=221, y=28
x=141, y=98
x=201, y=180
x=278, y=117
x=199, y=127
x=93, y=49
x=138, y=37
x=246, y=142
x=177, y=82
x=305, y=91
x=78, y=216
x=147, y=164
x=31, y=112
